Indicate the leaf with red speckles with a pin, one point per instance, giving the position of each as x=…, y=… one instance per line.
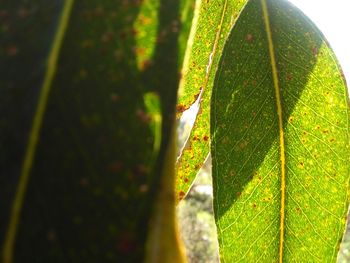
x=86, y=114
x=280, y=140
x=212, y=23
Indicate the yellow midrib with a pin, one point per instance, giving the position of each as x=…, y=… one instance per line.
x=10, y=237
x=280, y=126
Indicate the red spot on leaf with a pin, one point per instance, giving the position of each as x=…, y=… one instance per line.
x=114, y=97
x=115, y=167
x=11, y=50
x=181, y=194
x=249, y=38
x=180, y=108
x=143, y=116
x=196, y=138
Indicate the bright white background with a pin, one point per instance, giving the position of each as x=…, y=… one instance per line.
x=333, y=19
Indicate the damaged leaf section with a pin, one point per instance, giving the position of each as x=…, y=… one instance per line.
x=215, y=19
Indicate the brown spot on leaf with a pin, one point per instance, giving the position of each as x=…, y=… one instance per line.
x=143, y=188
x=196, y=138
x=107, y=37
x=140, y=170
x=249, y=38
x=139, y=51
x=180, y=108
x=181, y=194
x=205, y=138
x=12, y=50
x=196, y=96
x=4, y=13
x=143, y=116
x=301, y=165
x=144, y=20
x=114, y=97
x=115, y=167
x=23, y=12
x=146, y=64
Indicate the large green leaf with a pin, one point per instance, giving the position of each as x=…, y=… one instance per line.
x=211, y=24
x=87, y=108
x=280, y=140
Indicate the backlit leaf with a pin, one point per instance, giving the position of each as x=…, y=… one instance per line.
x=211, y=25
x=280, y=140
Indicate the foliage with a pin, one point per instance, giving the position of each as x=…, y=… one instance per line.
x=280, y=140
x=79, y=81
x=87, y=115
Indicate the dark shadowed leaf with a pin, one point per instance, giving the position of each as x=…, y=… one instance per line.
x=87, y=107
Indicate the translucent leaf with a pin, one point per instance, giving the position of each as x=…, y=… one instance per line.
x=280, y=140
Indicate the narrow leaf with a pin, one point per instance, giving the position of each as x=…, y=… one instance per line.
x=211, y=25
x=280, y=140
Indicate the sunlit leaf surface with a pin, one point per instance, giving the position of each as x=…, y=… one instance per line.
x=211, y=25
x=280, y=140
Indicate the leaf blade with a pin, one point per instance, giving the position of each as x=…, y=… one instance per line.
x=214, y=20
x=9, y=241
x=246, y=149
x=94, y=178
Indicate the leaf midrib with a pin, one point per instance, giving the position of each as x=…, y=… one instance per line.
x=280, y=125
x=33, y=139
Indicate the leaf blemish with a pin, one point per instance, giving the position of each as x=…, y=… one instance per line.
x=180, y=108
x=181, y=194
x=301, y=165
x=249, y=38
x=289, y=77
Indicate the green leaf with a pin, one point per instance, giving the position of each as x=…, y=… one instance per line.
x=87, y=111
x=280, y=140
x=210, y=27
